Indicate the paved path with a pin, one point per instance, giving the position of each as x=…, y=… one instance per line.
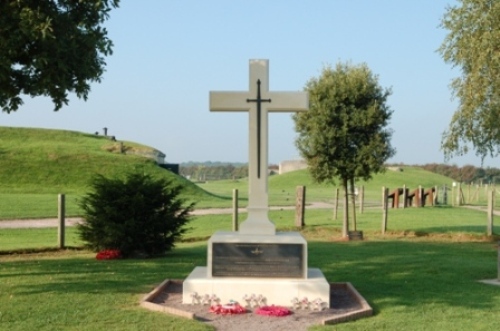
x=72, y=221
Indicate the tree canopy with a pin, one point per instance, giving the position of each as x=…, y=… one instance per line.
x=473, y=45
x=344, y=134
x=50, y=48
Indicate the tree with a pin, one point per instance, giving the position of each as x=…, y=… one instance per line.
x=138, y=214
x=473, y=45
x=344, y=134
x=50, y=48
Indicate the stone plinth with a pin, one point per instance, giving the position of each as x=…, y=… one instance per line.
x=276, y=291
x=272, y=266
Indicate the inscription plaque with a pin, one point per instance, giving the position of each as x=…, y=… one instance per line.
x=257, y=260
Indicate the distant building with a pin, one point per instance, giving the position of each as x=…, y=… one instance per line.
x=159, y=157
x=291, y=165
x=174, y=167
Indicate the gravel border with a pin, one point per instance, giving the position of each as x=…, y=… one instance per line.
x=346, y=305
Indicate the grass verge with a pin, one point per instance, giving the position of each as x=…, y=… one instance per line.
x=411, y=284
x=438, y=223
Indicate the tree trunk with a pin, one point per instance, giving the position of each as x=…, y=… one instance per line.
x=353, y=202
x=345, y=225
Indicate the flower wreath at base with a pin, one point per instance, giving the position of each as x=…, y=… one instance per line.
x=277, y=311
x=109, y=254
x=230, y=309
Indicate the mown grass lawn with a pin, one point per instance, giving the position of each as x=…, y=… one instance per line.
x=422, y=275
x=73, y=291
x=412, y=284
x=418, y=285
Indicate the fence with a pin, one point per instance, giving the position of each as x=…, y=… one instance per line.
x=17, y=206
x=24, y=231
x=471, y=194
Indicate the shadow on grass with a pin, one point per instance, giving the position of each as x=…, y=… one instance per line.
x=404, y=273
x=50, y=273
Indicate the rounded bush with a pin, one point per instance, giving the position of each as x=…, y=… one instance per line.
x=138, y=215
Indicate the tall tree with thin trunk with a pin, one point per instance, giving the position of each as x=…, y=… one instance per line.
x=344, y=134
x=473, y=45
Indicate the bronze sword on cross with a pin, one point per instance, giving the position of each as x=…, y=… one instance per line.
x=259, y=100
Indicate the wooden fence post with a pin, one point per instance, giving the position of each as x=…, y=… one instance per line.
x=361, y=199
x=499, y=261
x=453, y=195
x=469, y=200
x=420, y=199
x=405, y=197
x=300, y=206
x=498, y=276
x=491, y=203
x=435, y=196
x=459, y=194
x=445, y=195
x=385, y=193
x=61, y=214
x=235, y=209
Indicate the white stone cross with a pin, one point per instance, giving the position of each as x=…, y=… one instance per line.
x=258, y=102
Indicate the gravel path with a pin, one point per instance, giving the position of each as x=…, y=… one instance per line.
x=39, y=223
x=341, y=302
x=72, y=221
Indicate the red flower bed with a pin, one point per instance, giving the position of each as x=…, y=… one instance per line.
x=273, y=311
x=228, y=309
x=109, y=254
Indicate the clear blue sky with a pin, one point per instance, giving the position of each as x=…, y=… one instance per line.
x=168, y=55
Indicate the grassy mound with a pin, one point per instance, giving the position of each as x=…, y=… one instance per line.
x=42, y=161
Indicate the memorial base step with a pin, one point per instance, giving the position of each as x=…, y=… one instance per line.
x=282, y=291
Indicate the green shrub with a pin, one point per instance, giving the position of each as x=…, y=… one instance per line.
x=138, y=215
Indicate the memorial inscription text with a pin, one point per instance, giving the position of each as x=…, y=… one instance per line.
x=257, y=260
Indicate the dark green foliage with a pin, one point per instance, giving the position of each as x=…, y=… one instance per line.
x=137, y=215
x=50, y=48
x=344, y=134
